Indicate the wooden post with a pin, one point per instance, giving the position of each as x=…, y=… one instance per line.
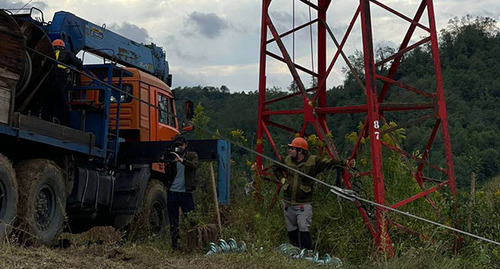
x=216, y=201
x=472, y=199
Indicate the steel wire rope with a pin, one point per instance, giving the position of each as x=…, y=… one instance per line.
x=311, y=43
x=343, y=193
x=24, y=6
x=348, y=194
x=293, y=33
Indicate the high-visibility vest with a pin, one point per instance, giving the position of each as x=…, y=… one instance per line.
x=60, y=65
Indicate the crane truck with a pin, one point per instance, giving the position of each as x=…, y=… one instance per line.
x=105, y=166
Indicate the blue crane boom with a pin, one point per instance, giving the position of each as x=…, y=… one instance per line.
x=81, y=34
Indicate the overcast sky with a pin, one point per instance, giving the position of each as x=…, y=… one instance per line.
x=216, y=42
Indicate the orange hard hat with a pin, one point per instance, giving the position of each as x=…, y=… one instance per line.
x=58, y=43
x=299, y=142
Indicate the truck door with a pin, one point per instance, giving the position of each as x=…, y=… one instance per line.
x=166, y=121
x=144, y=112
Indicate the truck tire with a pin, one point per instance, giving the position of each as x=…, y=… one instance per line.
x=41, y=201
x=8, y=196
x=152, y=220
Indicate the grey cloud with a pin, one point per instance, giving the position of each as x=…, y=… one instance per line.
x=176, y=50
x=286, y=17
x=208, y=25
x=182, y=79
x=170, y=39
x=281, y=16
x=131, y=31
x=283, y=21
x=39, y=4
x=490, y=13
x=5, y=4
x=386, y=43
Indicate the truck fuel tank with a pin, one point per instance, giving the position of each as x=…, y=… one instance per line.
x=92, y=189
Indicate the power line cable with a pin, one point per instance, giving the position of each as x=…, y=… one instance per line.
x=343, y=193
x=24, y=6
x=350, y=194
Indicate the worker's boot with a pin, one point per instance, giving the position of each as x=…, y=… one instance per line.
x=305, y=240
x=293, y=236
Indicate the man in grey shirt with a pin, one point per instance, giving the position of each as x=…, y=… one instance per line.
x=180, y=184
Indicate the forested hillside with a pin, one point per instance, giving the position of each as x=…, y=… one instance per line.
x=469, y=52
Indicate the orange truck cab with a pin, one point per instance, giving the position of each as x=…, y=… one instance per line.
x=151, y=119
x=148, y=114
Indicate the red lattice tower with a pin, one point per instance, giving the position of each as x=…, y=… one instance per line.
x=375, y=108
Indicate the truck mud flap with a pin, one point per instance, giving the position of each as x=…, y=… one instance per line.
x=129, y=189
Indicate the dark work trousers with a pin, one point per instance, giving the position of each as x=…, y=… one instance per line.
x=184, y=200
x=59, y=107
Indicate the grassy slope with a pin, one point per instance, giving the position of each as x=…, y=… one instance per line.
x=149, y=256
x=258, y=226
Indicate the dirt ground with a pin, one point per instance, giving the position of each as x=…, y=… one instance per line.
x=106, y=256
x=101, y=248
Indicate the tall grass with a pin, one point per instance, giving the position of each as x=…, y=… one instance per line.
x=339, y=230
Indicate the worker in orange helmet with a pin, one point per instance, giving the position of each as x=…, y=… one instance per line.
x=65, y=56
x=63, y=79
x=297, y=190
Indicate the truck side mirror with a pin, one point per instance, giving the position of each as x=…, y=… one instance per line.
x=169, y=80
x=189, y=109
x=187, y=128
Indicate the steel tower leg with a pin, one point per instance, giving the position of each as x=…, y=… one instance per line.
x=382, y=239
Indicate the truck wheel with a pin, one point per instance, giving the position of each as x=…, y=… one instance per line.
x=152, y=220
x=42, y=201
x=8, y=196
